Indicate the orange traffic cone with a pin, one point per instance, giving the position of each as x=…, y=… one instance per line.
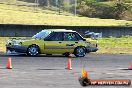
x=9, y=65
x=69, y=64
x=86, y=74
x=130, y=66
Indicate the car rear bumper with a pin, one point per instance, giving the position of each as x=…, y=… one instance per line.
x=91, y=49
x=13, y=49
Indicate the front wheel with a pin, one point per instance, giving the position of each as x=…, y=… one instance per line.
x=79, y=52
x=33, y=50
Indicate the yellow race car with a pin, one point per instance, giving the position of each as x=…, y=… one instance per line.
x=59, y=41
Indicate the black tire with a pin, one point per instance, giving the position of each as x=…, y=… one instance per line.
x=80, y=52
x=33, y=50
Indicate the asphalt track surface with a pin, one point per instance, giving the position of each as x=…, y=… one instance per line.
x=49, y=71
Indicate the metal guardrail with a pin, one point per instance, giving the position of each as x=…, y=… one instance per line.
x=29, y=30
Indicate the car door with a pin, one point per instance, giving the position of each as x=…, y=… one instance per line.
x=71, y=41
x=53, y=43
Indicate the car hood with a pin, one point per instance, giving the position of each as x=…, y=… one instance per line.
x=16, y=41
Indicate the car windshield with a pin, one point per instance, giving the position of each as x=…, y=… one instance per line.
x=42, y=34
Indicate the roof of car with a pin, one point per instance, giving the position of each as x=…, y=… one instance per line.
x=62, y=30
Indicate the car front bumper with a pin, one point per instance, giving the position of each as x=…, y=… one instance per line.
x=13, y=49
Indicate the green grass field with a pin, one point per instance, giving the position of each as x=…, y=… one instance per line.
x=115, y=45
x=3, y=41
x=111, y=45
x=12, y=14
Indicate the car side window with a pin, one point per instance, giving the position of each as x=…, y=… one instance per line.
x=78, y=36
x=55, y=36
x=70, y=37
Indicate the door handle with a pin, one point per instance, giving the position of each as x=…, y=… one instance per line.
x=70, y=44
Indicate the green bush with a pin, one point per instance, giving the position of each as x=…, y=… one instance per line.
x=118, y=10
x=96, y=10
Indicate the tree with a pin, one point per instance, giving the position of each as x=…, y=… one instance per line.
x=120, y=7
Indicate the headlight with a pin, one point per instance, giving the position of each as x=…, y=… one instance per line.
x=14, y=42
x=8, y=42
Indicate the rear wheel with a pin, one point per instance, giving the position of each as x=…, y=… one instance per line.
x=33, y=50
x=79, y=52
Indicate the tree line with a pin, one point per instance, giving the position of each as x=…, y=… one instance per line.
x=106, y=9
